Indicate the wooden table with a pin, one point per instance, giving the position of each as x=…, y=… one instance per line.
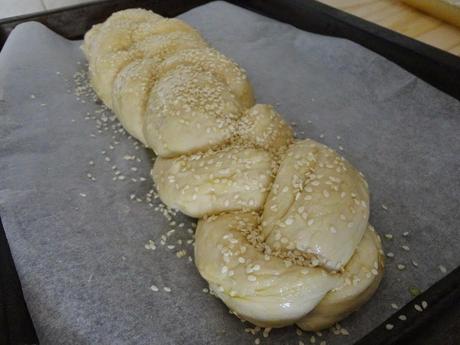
x=404, y=19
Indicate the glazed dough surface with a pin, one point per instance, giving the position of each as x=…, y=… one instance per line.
x=283, y=235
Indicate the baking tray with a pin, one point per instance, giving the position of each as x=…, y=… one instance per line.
x=441, y=322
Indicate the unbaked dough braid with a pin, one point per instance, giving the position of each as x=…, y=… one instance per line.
x=283, y=235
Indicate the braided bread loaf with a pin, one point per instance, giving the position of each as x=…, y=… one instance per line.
x=283, y=234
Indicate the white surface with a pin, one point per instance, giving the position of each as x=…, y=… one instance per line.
x=11, y=8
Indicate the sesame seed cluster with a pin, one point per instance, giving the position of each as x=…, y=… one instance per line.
x=283, y=234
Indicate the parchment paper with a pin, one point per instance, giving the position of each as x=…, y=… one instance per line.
x=79, y=244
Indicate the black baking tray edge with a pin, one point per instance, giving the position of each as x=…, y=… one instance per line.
x=440, y=322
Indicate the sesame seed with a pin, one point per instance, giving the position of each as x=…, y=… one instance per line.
x=417, y=307
x=442, y=269
x=394, y=306
x=406, y=248
x=344, y=331
x=389, y=326
x=257, y=341
x=390, y=255
x=402, y=317
x=401, y=267
x=388, y=236
x=83, y=195
x=299, y=332
x=266, y=332
x=384, y=207
x=154, y=288
x=167, y=289
x=414, y=291
x=424, y=304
